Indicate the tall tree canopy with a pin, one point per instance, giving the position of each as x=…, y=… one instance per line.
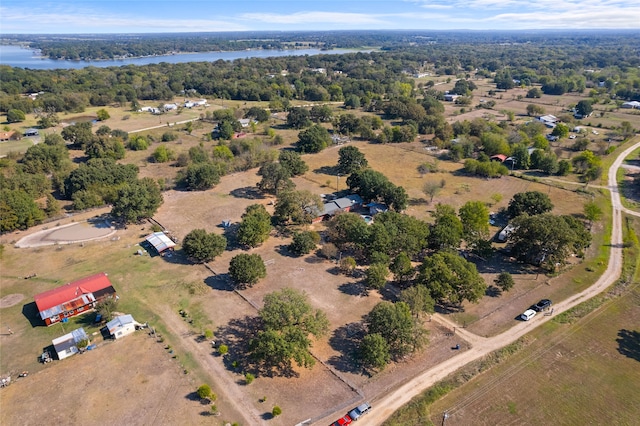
x=288, y=321
x=202, y=246
x=531, y=203
x=451, y=279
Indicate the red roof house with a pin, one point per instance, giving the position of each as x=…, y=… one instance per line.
x=73, y=298
x=498, y=157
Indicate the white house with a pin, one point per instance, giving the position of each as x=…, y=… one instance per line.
x=548, y=120
x=450, y=97
x=201, y=102
x=121, y=326
x=189, y=104
x=169, y=107
x=66, y=345
x=631, y=105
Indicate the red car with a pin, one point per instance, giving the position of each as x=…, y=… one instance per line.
x=346, y=420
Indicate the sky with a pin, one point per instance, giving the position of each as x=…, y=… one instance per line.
x=142, y=16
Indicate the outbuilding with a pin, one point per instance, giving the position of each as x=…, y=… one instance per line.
x=67, y=345
x=160, y=242
x=31, y=132
x=121, y=326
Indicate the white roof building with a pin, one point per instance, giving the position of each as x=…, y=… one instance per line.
x=65, y=346
x=121, y=326
x=160, y=242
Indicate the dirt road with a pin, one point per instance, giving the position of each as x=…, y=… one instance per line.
x=384, y=407
x=230, y=393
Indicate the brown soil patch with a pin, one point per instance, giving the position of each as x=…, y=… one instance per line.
x=11, y=300
x=132, y=381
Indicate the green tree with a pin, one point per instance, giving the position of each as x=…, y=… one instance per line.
x=255, y=226
x=276, y=178
x=53, y=206
x=592, y=211
x=137, y=200
x=447, y=231
x=584, y=108
x=162, y=154
x=351, y=159
x=201, y=176
x=202, y=246
x=376, y=276
x=402, y=268
x=297, y=207
x=293, y=163
x=15, y=116
x=474, y=216
x=534, y=93
x=204, y=391
x=105, y=147
x=533, y=110
x=298, y=118
x=561, y=130
x=531, y=203
x=138, y=143
x=288, y=320
x=451, y=279
x=504, y=281
x=257, y=113
x=304, y=242
x=103, y=114
x=314, y=139
x=247, y=269
x=393, y=321
x=276, y=411
x=431, y=188
x=107, y=308
x=548, y=240
x=18, y=210
x=419, y=299
x=374, y=352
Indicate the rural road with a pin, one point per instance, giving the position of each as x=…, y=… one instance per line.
x=385, y=406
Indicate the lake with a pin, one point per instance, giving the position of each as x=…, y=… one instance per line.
x=17, y=56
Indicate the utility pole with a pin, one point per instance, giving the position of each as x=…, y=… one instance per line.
x=337, y=181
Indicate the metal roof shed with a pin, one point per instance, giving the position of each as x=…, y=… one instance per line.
x=66, y=345
x=160, y=242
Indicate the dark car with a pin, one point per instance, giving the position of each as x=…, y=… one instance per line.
x=541, y=305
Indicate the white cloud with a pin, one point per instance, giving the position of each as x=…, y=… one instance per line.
x=80, y=21
x=313, y=18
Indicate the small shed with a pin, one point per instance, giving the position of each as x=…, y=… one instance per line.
x=121, y=326
x=66, y=345
x=160, y=242
x=31, y=132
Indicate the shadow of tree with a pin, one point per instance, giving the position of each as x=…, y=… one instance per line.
x=220, y=282
x=237, y=335
x=267, y=416
x=346, y=340
x=629, y=343
x=354, y=289
x=248, y=192
x=328, y=170
x=493, y=291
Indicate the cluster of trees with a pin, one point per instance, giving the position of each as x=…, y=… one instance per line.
x=542, y=238
x=374, y=186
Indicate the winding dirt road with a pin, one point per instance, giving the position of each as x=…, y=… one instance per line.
x=385, y=406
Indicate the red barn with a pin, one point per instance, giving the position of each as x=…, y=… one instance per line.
x=73, y=298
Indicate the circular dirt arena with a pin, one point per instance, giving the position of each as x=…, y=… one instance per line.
x=11, y=300
x=69, y=234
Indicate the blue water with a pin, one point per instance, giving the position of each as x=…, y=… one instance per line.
x=16, y=56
